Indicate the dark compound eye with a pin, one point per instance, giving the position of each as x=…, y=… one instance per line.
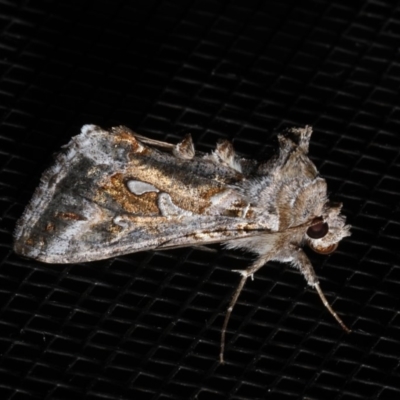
x=318, y=231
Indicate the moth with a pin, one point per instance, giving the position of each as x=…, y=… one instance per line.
x=113, y=192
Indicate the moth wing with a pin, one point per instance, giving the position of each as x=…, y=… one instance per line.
x=79, y=238
x=110, y=194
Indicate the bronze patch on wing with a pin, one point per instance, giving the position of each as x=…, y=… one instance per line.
x=145, y=204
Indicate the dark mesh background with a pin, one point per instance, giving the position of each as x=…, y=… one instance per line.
x=147, y=325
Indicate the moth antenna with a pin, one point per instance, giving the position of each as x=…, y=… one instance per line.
x=245, y=274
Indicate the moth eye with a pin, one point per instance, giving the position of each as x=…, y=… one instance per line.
x=324, y=250
x=318, y=231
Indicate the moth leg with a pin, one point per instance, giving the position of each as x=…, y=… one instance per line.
x=245, y=274
x=303, y=263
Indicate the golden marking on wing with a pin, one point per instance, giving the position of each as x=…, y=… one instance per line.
x=145, y=204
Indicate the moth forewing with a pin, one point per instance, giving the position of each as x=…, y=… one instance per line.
x=113, y=192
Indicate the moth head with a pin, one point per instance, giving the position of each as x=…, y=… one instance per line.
x=326, y=231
